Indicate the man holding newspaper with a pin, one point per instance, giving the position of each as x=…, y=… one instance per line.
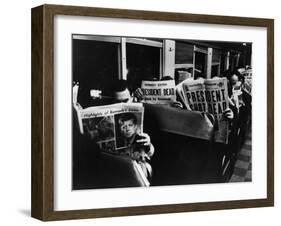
x=123, y=133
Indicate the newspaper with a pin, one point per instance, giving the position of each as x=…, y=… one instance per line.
x=75, y=89
x=208, y=95
x=181, y=95
x=247, y=86
x=247, y=73
x=194, y=95
x=237, y=96
x=158, y=92
x=103, y=124
x=182, y=75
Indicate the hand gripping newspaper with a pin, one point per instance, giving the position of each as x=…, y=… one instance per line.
x=208, y=95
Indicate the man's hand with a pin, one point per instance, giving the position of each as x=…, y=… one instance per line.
x=138, y=94
x=176, y=104
x=228, y=114
x=145, y=141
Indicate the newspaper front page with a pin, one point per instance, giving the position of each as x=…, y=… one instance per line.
x=194, y=91
x=158, y=92
x=109, y=125
x=208, y=95
x=217, y=99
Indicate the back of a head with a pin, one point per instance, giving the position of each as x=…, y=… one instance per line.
x=121, y=92
x=120, y=85
x=167, y=78
x=230, y=73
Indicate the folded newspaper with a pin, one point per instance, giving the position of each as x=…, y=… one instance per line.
x=158, y=92
x=207, y=95
x=247, y=86
x=110, y=125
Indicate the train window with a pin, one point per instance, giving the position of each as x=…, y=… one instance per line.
x=143, y=63
x=184, y=53
x=200, y=64
x=95, y=66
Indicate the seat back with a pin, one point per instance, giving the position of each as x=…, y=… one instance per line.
x=120, y=171
x=183, y=143
x=180, y=121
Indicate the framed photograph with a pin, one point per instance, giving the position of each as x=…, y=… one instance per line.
x=141, y=112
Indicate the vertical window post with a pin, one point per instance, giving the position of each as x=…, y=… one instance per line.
x=123, y=70
x=237, y=59
x=209, y=62
x=161, y=63
x=227, y=61
x=219, y=67
x=169, y=58
x=193, y=70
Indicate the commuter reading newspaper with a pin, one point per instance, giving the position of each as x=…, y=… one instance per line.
x=208, y=95
x=111, y=126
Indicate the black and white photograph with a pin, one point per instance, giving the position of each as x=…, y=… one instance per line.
x=127, y=128
x=158, y=112
x=100, y=128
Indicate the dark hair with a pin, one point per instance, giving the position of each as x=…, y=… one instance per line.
x=128, y=116
x=120, y=85
x=228, y=74
x=166, y=78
